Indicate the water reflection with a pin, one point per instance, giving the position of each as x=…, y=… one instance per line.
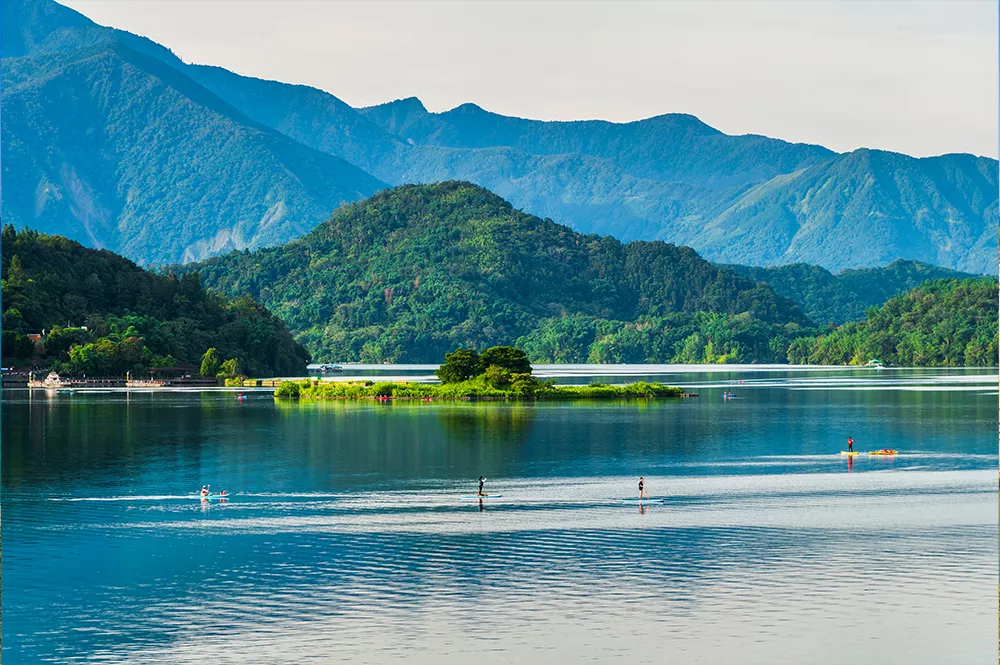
x=347, y=538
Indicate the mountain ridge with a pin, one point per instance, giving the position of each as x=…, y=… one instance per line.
x=147, y=151
x=748, y=199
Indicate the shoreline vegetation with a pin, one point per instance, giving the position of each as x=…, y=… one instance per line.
x=498, y=373
x=467, y=390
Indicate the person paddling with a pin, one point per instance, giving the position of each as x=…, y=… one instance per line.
x=642, y=489
x=482, y=481
x=850, y=445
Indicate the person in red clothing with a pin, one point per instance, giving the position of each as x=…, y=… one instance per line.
x=850, y=444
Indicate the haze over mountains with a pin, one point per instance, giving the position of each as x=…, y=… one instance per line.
x=112, y=140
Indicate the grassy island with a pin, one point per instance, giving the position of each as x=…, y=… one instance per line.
x=500, y=372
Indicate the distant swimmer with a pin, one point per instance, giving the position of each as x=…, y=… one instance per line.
x=642, y=489
x=850, y=445
x=482, y=481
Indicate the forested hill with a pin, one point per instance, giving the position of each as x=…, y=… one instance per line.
x=134, y=319
x=828, y=298
x=416, y=271
x=947, y=323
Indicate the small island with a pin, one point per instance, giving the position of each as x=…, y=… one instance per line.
x=498, y=373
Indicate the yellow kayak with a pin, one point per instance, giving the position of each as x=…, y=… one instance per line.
x=849, y=453
x=883, y=452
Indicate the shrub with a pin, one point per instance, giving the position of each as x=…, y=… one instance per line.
x=288, y=389
x=497, y=377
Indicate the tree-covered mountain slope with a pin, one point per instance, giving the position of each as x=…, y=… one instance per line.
x=134, y=319
x=828, y=298
x=944, y=323
x=416, y=271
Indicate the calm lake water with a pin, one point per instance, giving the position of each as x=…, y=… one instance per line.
x=347, y=540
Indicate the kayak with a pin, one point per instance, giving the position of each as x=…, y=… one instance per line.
x=883, y=453
x=636, y=502
x=484, y=496
x=851, y=453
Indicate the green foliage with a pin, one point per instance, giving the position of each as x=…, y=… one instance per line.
x=946, y=323
x=510, y=358
x=497, y=377
x=231, y=369
x=417, y=271
x=702, y=337
x=459, y=365
x=134, y=319
x=210, y=363
x=520, y=386
x=834, y=299
x=288, y=389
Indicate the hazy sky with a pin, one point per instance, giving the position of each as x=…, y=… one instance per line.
x=917, y=77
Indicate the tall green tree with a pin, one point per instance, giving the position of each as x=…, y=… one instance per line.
x=210, y=363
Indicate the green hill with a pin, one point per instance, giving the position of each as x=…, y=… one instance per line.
x=946, y=323
x=828, y=298
x=416, y=271
x=134, y=319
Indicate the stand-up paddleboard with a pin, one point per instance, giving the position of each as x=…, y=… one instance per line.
x=212, y=496
x=484, y=496
x=849, y=453
x=636, y=502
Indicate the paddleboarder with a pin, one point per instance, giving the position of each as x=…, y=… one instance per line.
x=482, y=481
x=642, y=489
x=850, y=445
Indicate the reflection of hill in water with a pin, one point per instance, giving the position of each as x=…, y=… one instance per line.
x=489, y=423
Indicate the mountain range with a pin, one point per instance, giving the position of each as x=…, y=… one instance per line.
x=111, y=139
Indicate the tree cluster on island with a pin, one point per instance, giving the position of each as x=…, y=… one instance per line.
x=499, y=372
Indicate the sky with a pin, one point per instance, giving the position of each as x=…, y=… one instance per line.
x=904, y=75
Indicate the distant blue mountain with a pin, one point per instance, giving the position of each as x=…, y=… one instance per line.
x=742, y=199
x=117, y=148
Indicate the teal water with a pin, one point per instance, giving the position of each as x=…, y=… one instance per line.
x=347, y=540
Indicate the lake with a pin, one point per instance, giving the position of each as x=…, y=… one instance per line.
x=347, y=539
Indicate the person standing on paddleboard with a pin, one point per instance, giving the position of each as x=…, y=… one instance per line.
x=850, y=445
x=642, y=489
x=482, y=481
